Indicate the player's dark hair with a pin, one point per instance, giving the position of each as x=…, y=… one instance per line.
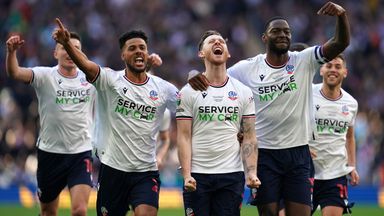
x=74, y=35
x=132, y=34
x=298, y=47
x=205, y=35
x=271, y=20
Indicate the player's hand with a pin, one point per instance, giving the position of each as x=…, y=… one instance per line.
x=198, y=82
x=331, y=9
x=252, y=181
x=61, y=34
x=313, y=153
x=355, y=179
x=14, y=43
x=154, y=60
x=190, y=184
x=160, y=163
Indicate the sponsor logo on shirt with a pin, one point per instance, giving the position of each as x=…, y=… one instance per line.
x=331, y=126
x=271, y=92
x=134, y=110
x=261, y=77
x=73, y=96
x=218, y=113
x=204, y=94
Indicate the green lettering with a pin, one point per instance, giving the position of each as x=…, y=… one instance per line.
x=263, y=97
x=292, y=86
x=59, y=100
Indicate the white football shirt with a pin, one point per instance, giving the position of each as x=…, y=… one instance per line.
x=283, y=96
x=129, y=119
x=333, y=118
x=216, y=115
x=166, y=121
x=66, y=108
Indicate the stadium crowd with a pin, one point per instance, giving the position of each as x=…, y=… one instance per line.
x=174, y=28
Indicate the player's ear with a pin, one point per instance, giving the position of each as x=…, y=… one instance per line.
x=345, y=73
x=201, y=54
x=55, y=52
x=322, y=70
x=264, y=37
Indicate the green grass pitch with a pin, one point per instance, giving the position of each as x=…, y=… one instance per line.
x=16, y=210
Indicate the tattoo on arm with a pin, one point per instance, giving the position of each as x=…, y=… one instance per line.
x=249, y=147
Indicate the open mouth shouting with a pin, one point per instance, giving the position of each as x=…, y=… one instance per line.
x=139, y=61
x=217, y=50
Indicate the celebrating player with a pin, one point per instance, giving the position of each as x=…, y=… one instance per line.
x=334, y=147
x=132, y=105
x=207, y=127
x=66, y=102
x=281, y=82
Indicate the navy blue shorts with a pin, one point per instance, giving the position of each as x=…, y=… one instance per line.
x=216, y=194
x=284, y=174
x=117, y=190
x=332, y=192
x=55, y=171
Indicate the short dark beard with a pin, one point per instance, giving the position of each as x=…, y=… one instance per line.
x=279, y=51
x=134, y=70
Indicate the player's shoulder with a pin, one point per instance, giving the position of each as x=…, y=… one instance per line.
x=44, y=69
x=162, y=83
x=159, y=80
x=236, y=83
x=349, y=97
x=252, y=60
x=187, y=89
x=316, y=86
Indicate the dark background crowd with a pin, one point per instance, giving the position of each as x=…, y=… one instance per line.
x=174, y=28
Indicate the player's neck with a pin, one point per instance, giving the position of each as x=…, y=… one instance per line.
x=277, y=60
x=69, y=72
x=216, y=74
x=331, y=92
x=136, y=77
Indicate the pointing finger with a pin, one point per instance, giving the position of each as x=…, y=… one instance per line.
x=59, y=23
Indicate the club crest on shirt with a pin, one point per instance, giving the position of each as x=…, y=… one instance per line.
x=60, y=81
x=153, y=95
x=83, y=81
x=317, y=107
x=344, y=110
x=232, y=95
x=290, y=69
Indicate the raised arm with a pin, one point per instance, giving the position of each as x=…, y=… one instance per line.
x=351, y=154
x=184, y=149
x=61, y=35
x=249, y=151
x=12, y=65
x=340, y=40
